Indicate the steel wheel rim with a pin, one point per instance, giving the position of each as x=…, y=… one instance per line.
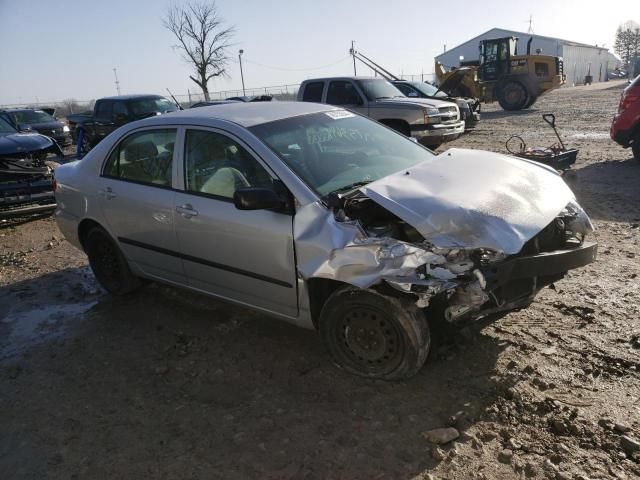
x=368, y=340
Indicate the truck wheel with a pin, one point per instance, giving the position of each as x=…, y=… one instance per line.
x=513, y=96
x=531, y=101
x=108, y=264
x=83, y=144
x=374, y=335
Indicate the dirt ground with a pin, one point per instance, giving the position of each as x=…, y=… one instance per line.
x=169, y=385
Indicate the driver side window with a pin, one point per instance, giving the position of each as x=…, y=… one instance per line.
x=343, y=92
x=216, y=165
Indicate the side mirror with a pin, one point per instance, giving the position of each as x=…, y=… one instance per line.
x=257, y=198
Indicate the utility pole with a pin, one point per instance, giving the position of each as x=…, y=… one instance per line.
x=240, y=52
x=530, y=24
x=353, y=54
x=115, y=74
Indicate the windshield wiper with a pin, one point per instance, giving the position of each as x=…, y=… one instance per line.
x=351, y=186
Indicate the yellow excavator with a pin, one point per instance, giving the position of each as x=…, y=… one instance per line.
x=515, y=81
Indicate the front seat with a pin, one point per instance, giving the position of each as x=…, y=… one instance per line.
x=224, y=182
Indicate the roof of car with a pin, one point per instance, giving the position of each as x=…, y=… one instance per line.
x=245, y=114
x=344, y=77
x=131, y=97
x=21, y=109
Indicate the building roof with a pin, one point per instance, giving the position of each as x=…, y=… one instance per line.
x=505, y=32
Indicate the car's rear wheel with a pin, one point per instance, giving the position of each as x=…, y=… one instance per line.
x=374, y=335
x=108, y=264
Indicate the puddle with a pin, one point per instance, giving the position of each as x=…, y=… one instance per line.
x=40, y=324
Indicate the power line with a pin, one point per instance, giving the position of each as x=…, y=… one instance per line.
x=296, y=69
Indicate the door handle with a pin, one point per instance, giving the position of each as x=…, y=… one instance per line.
x=187, y=211
x=108, y=193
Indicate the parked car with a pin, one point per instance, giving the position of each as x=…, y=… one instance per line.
x=431, y=122
x=25, y=119
x=324, y=218
x=469, y=107
x=110, y=113
x=625, y=128
x=26, y=181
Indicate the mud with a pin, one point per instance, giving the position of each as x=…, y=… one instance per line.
x=169, y=384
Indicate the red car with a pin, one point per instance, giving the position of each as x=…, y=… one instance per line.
x=625, y=128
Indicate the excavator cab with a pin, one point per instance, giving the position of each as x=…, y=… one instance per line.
x=495, y=56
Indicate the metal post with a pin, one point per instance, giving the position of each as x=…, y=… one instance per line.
x=115, y=74
x=353, y=54
x=241, y=73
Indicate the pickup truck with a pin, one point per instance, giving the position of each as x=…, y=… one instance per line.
x=431, y=122
x=109, y=114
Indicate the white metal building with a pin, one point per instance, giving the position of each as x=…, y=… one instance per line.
x=580, y=59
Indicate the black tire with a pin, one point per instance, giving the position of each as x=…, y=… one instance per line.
x=108, y=264
x=513, y=96
x=531, y=101
x=635, y=148
x=374, y=335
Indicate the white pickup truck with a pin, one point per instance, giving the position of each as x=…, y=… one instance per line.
x=431, y=122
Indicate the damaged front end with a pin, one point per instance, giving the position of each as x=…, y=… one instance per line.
x=26, y=177
x=461, y=263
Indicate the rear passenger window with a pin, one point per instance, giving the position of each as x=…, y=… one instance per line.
x=144, y=157
x=216, y=165
x=313, y=92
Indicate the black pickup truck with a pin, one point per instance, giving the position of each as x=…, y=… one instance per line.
x=110, y=113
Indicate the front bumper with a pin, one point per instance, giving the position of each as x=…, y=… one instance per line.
x=546, y=264
x=438, y=133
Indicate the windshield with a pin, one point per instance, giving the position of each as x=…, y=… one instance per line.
x=6, y=128
x=427, y=89
x=145, y=106
x=375, y=89
x=337, y=150
x=27, y=117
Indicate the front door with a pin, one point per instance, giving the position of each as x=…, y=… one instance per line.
x=245, y=256
x=138, y=202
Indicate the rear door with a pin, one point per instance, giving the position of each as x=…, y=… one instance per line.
x=138, y=201
x=245, y=256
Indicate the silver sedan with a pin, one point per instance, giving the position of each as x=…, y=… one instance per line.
x=323, y=218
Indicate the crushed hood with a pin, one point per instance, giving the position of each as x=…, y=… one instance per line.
x=474, y=199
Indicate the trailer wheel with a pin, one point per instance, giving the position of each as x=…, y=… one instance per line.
x=513, y=96
x=374, y=335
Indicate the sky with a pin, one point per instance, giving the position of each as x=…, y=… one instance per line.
x=54, y=50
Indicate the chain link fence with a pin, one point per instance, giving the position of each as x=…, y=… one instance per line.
x=278, y=92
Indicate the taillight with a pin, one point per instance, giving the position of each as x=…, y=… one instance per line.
x=629, y=97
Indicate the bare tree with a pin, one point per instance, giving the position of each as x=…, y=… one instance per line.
x=202, y=38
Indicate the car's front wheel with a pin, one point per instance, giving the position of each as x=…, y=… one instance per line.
x=374, y=335
x=108, y=264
